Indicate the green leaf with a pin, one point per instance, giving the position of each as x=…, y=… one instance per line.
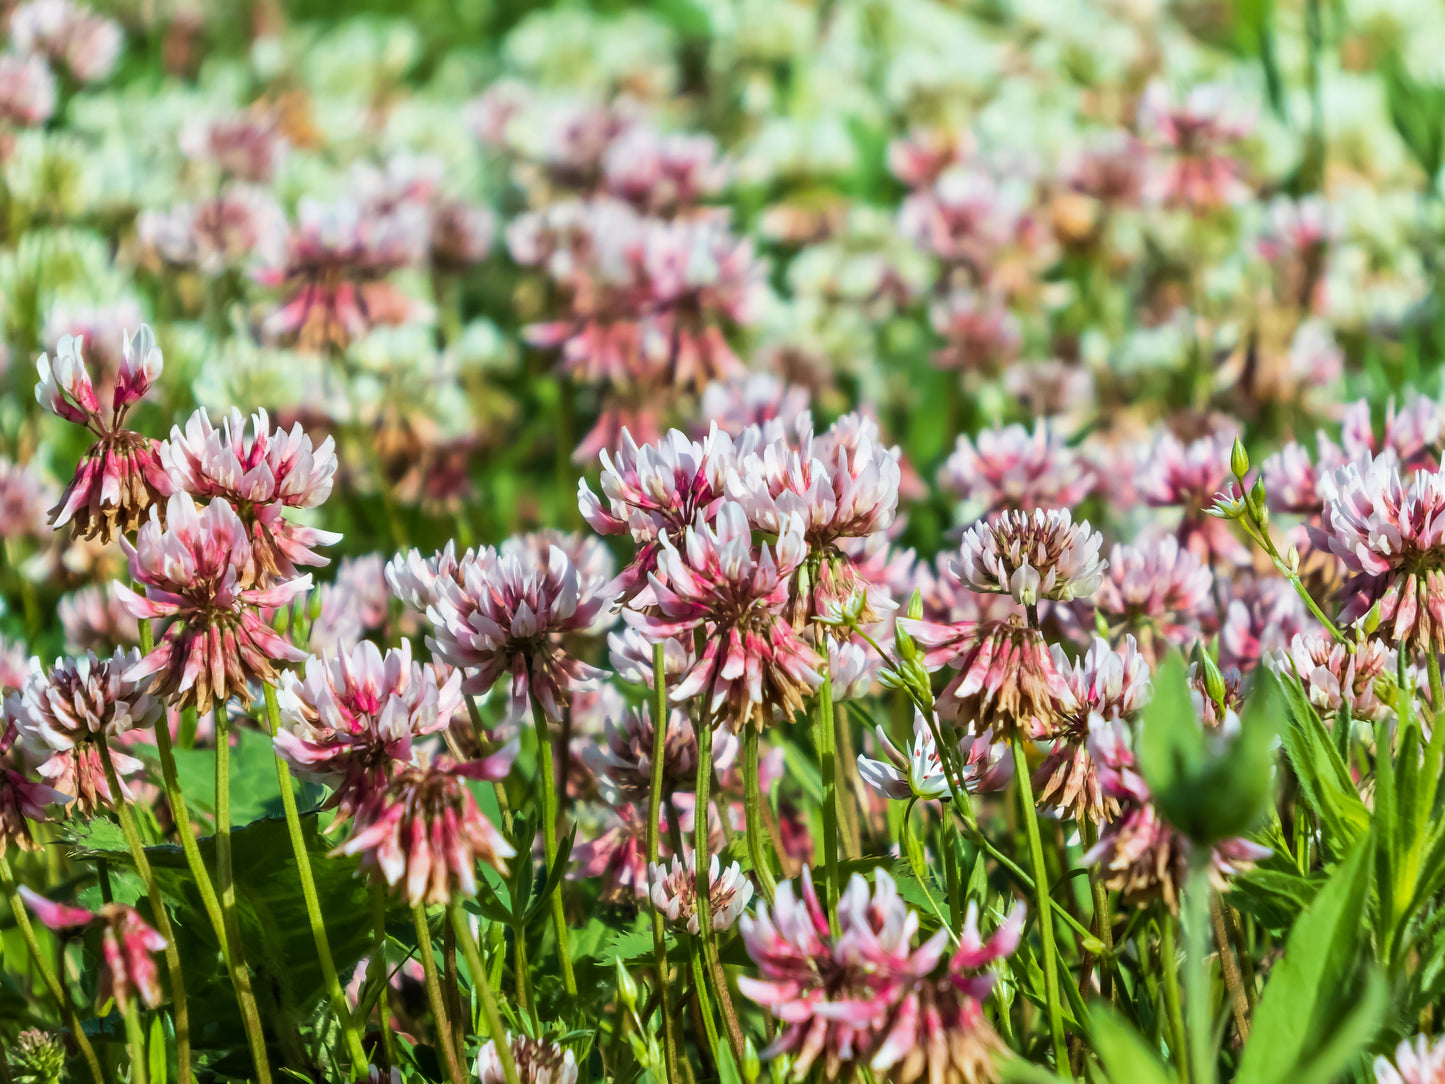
x=156, y=1050
x=254, y=792
x=1125, y=1056
x=1328, y=787
x=1302, y=1002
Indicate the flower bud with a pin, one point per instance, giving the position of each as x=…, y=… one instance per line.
x=1256, y=501
x=1239, y=459
x=903, y=643
x=626, y=986
x=752, y=1066
x=915, y=605
x=1213, y=679
x=1372, y=620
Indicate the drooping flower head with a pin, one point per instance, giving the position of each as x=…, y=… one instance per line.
x=538, y=1061
x=505, y=612
x=673, y=890
x=1390, y=535
x=259, y=474
x=1032, y=556
x=60, y=713
x=754, y=664
x=1010, y=467
x=128, y=946
x=121, y=475
x=1139, y=854
x=424, y=834
x=1106, y=682
x=867, y=996
x=194, y=571
x=351, y=721
x=919, y=772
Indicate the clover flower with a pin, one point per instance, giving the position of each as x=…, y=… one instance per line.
x=215, y=235
x=656, y=487
x=538, y=1061
x=22, y=799
x=1158, y=586
x=868, y=996
x=1139, y=854
x=95, y=620
x=128, y=945
x=70, y=33
x=1390, y=536
x=1173, y=474
x=1007, y=682
x=505, y=612
x=1194, y=164
x=919, y=773
x=1105, y=682
x=23, y=498
x=1032, y=556
x=662, y=173
x=121, y=475
x=1263, y=615
x=673, y=891
x=754, y=662
x=1416, y=1062
x=424, y=834
x=27, y=90
x=351, y=721
x=623, y=759
x=980, y=333
x=260, y=474
x=59, y=713
x=243, y=146
x=756, y=399
x=195, y=571
x=1010, y=467
x=1333, y=675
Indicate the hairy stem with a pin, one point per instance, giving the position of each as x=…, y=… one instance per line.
x=1238, y=999
x=483, y=987
x=448, y=1052
x=1049, y=957
x=351, y=1035
x=660, y=717
x=753, y=804
x=702, y=860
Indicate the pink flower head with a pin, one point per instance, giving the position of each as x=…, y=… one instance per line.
x=754, y=662
x=244, y=146
x=654, y=488
x=424, y=832
x=630, y=653
x=1032, y=556
x=333, y=276
x=756, y=399
x=225, y=232
x=27, y=90
x=121, y=475
x=94, y=619
x=1007, y=682
x=354, y=604
x=22, y=799
x=623, y=759
x=127, y=947
x=1295, y=241
x=1417, y=1062
x=1194, y=144
x=1390, y=536
x=1157, y=586
x=1012, y=468
x=194, y=570
x=1105, y=682
x=261, y=474
x=23, y=497
x=965, y=217
x=1334, y=676
x=919, y=772
x=1173, y=474
x=59, y=713
x=351, y=721
x=70, y=33
x=538, y=1061
x=866, y=996
x=663, y=173
x=1263, y=615
x=1110, y=169
x=673, y=891
x=1291, y=481
x=1138, y=854
x=506, y=612
x=979, y=332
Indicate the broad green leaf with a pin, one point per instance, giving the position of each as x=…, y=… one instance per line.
x=1302, y=1001
x=1323, y=776
x=1125, y=1056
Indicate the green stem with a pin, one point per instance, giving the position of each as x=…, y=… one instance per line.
x=179, y=1008
x=350, y=1034
x=1169, y=958
x=702, y=865
x=950, y=867
x=376, y=975
x=1197, y=893
x=1103, y=919
x=226, y=892
x=434, y=997
x=1432, y=664
x=753, y=803
x=135, y=1041
x=47, y=976
x=483, y=988
x=549, y=841
x=826, y=738
x=660, y=716
x=1048, y=959
x=704, y=1003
